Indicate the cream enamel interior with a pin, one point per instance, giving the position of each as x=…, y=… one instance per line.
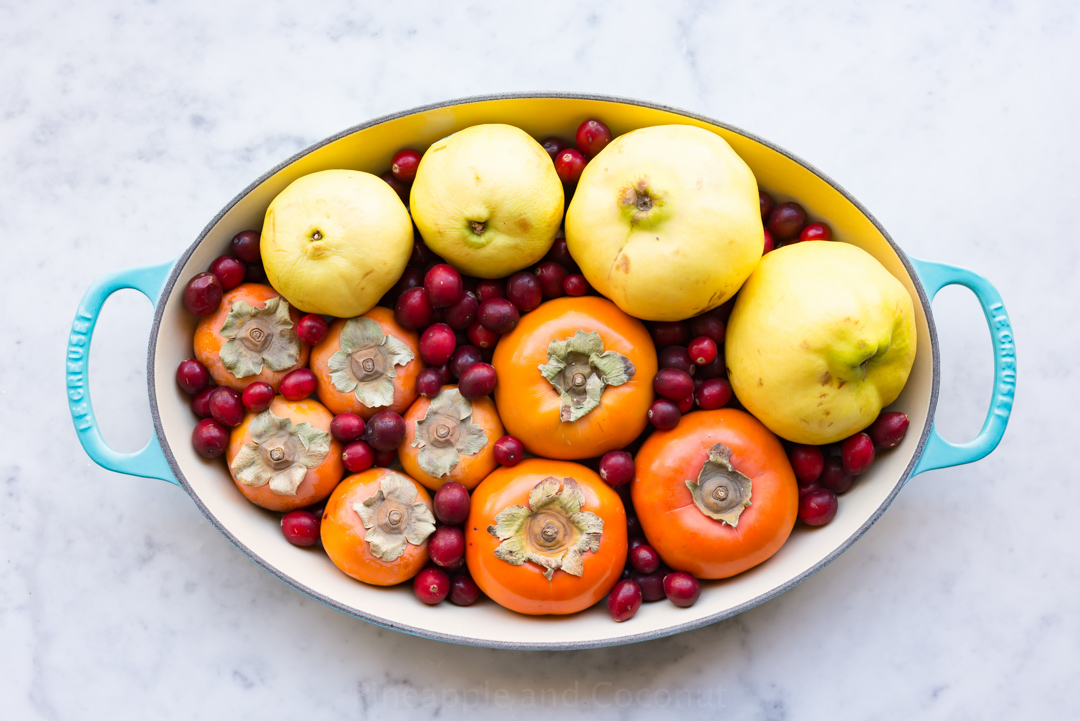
x=485, y=623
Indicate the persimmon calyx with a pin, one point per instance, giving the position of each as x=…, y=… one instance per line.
x=366, y=364
x=721, y=492
x=394, y=516
x=580, y=369
x=279, y=453
x=259, y=336
x=446, y=432
x=553, y=532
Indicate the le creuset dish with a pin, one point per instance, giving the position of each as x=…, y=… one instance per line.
x=169, y=455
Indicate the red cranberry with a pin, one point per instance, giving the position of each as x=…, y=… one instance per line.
x=553, y=146
x=402, y=189
x=410, y=278
x=257, y=396
x=651, y=584
x=569, y=164
x=551, y=276
x=673, y=384
x=300, y=528
x=888, y=430
x=463, y=590
x=702, y=350
x=560, y=254
x=404, y=164
x=446, y=546
x=311, y=328
x=226, y=406
x=443, y=286
x=834, y=477
x=770, y=244
x=192, y=376
x=202, y=295
x=592, y=137
x=857, y=453
x=767, y=204
x=422, y=256
x=808, y=462
x=487, y=289
x=644, y=558
x=509, y=451
x=803, y=490
x=575, y=285
x=347, y=427
x=686, y=404
x=298, y=384
x=201, y=402
x=444, y=372
x=245, y=246
x=385, y=431
x=255, y=274
x=498, y=315
x=664, y=414
x=385, y=459
x=477, y=381
x=431, y=585
x=816, y=231
x=617, y=468
x=229, y=271
x=357, y=457
x=816, y=508
x=677, y=357
x=523, y=289
x=709, y=326
x=786, y=220
x=412, y=310
x=480, y=336
x=682, y=589
x=210, y=438
x=464, y=357
x=429, y=382
x=462, y=314
x=713, y=393
x=624, y=600
x=451, y=503
x=437, y=344
x=669, y=333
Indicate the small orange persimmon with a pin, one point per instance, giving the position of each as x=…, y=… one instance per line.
x=285, y=458
x=575, y=378
x=450, y=438
x=367, y=364
x=716, y=494
x=251, y=337
x=376, y=525
x=545, y=537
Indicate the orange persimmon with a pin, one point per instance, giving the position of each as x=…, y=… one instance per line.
x=256, y=340
x=377, y=346
x=693, y=481
x=548, y=366
x=286, y=465
x=395, y=507
x=456, y=443
x=545, y=537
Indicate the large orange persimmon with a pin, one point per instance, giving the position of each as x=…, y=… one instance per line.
x=251, y=337
x=545, y=537
x=716, y=494
x=367, y=364
x=575, y=378
x=376, y=525
x=285, y=458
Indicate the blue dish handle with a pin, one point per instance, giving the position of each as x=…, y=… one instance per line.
x=939, y=453
x=149, y=462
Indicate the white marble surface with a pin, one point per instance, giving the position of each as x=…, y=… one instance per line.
x=124, y=128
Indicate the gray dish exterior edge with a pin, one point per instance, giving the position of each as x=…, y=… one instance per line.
x=466, y=641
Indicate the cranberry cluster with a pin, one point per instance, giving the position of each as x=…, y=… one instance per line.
x=787, y=223
x=448, y=577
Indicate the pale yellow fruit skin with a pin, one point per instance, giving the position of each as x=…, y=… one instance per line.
x=802, y=326
x=493, y=174
x=698, y=245
x=366, y=243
